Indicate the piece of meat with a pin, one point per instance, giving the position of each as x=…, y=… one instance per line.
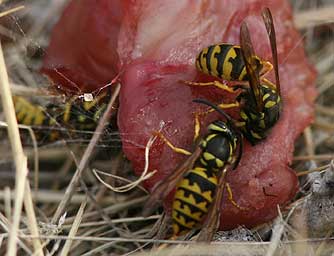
x=82, y=53
x=157, y=44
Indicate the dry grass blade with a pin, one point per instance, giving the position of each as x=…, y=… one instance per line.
x=21, y=184
x=277, y=233
x=314, y=17
x=7, y=200
x=12, y=10
x=74, y=230
x=5, y=225
x=314, y=157
x=131, y=185
x=35, y=151
x=318, y=169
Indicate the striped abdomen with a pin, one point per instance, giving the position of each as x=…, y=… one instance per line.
x=223, y=61
x=28, y=113
x=194, y=194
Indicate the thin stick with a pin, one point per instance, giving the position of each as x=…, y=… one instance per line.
x=314, y=17
x=35, y=151
x=8, y=208
x=318, y=169
x=309, y=141
x=85, y=158
x=5, y=225
x=20, y=163
x=130, y=185
x=328, y=127
x=15, y=9
x=314, y=157
x=114, y=221
x=32, y=223
x=73, y=230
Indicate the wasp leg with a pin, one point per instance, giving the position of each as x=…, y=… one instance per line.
x=268, y=83
x=197, y=125
x=267, y=67
x=215, y=83
x=198, y=115
x=230, y=197
x=228, y=105
x=169, y=144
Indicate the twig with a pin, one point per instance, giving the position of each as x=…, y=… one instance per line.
x=113, y=208
x=73, y=230
x=8, y=208
x=15, y=9
x=5, y=225
x=131, y=185
x=85, y=158
x=314, y=157
x=21, y=182
x=318, y=169
x=32, y=222
x=328, y=127
x=115, y=221
x=309, y=141
x=314, y=17
x=35, y=151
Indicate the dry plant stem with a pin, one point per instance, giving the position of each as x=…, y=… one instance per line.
x=20, y=164
x=314, y=157
x=104, y=216
x=328, y=127
x=10, y=11
x=324, y=110
x=314, y=17
x=318, y=169
x=35, y=151
x=277, y=233
x=22, y=90
x=309, y=141
x=85, y=158
x=32, y=222
x=73, y=230
x=102, y=190
x=92, y=199
x=323, y=244
x=7, y=201
x=5, y=225
x=113, y=209
x=36, y=158
x=63, y=171
x=49, y=196
x=114, y=221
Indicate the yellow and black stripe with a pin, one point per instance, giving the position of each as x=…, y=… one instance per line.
x=54, y=122
x=196, y=190
x=224, y=61
x=254, y=124
x=194, y=194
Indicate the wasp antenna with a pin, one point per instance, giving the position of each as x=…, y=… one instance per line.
x=210, y=104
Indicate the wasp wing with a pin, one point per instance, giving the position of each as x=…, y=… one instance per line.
x=166, y=186
x=212, y=219
x=268, y=21
x=250, y=63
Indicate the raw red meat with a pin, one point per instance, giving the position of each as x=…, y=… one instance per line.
x=82, y=53
x=157, y=45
